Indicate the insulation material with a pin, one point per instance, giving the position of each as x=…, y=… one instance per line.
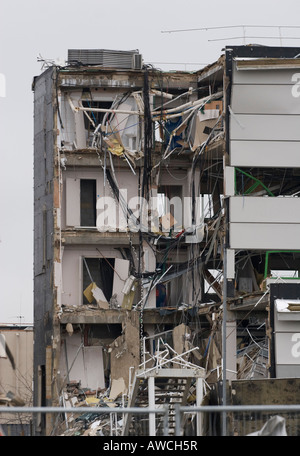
x=88, y=292
x=100, y=298
x=125, y=128
x=114, y=146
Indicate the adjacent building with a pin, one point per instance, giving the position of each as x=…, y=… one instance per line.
x=16, y=380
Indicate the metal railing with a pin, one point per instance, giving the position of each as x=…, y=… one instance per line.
x=164, y=411
x=239, y=419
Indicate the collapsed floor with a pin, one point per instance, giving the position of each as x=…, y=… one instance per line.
x=195, y=349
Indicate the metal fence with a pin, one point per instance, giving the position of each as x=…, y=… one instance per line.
x=210, y=420
x=238, y=420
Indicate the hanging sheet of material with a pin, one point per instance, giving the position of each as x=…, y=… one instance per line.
x=114, y=146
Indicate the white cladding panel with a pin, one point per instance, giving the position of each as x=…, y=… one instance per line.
x=72, y=202
x=265, y=117
x=265, y=236
x=275, y=153
x=264, y=99
x=272, y=210
x=271, y=76
x=287, y=348
x=251, y=127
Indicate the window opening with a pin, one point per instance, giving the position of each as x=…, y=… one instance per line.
x=101, y=272
x=87, y=202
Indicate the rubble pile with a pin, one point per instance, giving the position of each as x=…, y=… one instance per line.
x=90, y=424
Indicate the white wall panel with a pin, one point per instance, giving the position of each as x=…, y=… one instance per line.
x=264, y=236
x=72, y=202
x=230, y=264
x=285, y=348
x=272, y=76
x=229, y=181
x=264, y=209
x=86, y=365
x=265, y=128
x=264, y=99
x=265, y=153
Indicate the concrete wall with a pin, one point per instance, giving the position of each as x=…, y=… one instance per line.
x=44, y=141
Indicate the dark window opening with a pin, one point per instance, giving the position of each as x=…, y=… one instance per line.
x=95, y=116
x=101, y=272
x=87, y=202
x=170, y=293
x=102, y=334
x=267, y=181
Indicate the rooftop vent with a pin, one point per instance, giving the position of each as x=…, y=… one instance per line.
x=106, y=58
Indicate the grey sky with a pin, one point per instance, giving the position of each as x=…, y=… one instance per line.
x=35, y=27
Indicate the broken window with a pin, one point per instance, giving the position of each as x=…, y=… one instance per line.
x=87, y=202
x=95, y=116
x=99, y=271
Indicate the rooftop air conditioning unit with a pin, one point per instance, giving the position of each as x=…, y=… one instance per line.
x=106, y=58
x=137, y=62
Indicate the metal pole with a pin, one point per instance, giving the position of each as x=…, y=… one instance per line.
x=199, y=398
x=151, y=400
x=166, y=420
x=224, y=427
x=177, y=420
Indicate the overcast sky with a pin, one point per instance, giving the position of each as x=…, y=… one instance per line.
x=49, y=28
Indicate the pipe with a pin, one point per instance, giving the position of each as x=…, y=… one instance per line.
x=224, y=427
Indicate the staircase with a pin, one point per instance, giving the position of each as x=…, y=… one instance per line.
x=154, y=389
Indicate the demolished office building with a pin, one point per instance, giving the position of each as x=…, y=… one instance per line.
x=159, y=198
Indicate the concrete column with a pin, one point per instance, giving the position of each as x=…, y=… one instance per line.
x=199, y=398
x=231, y=347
